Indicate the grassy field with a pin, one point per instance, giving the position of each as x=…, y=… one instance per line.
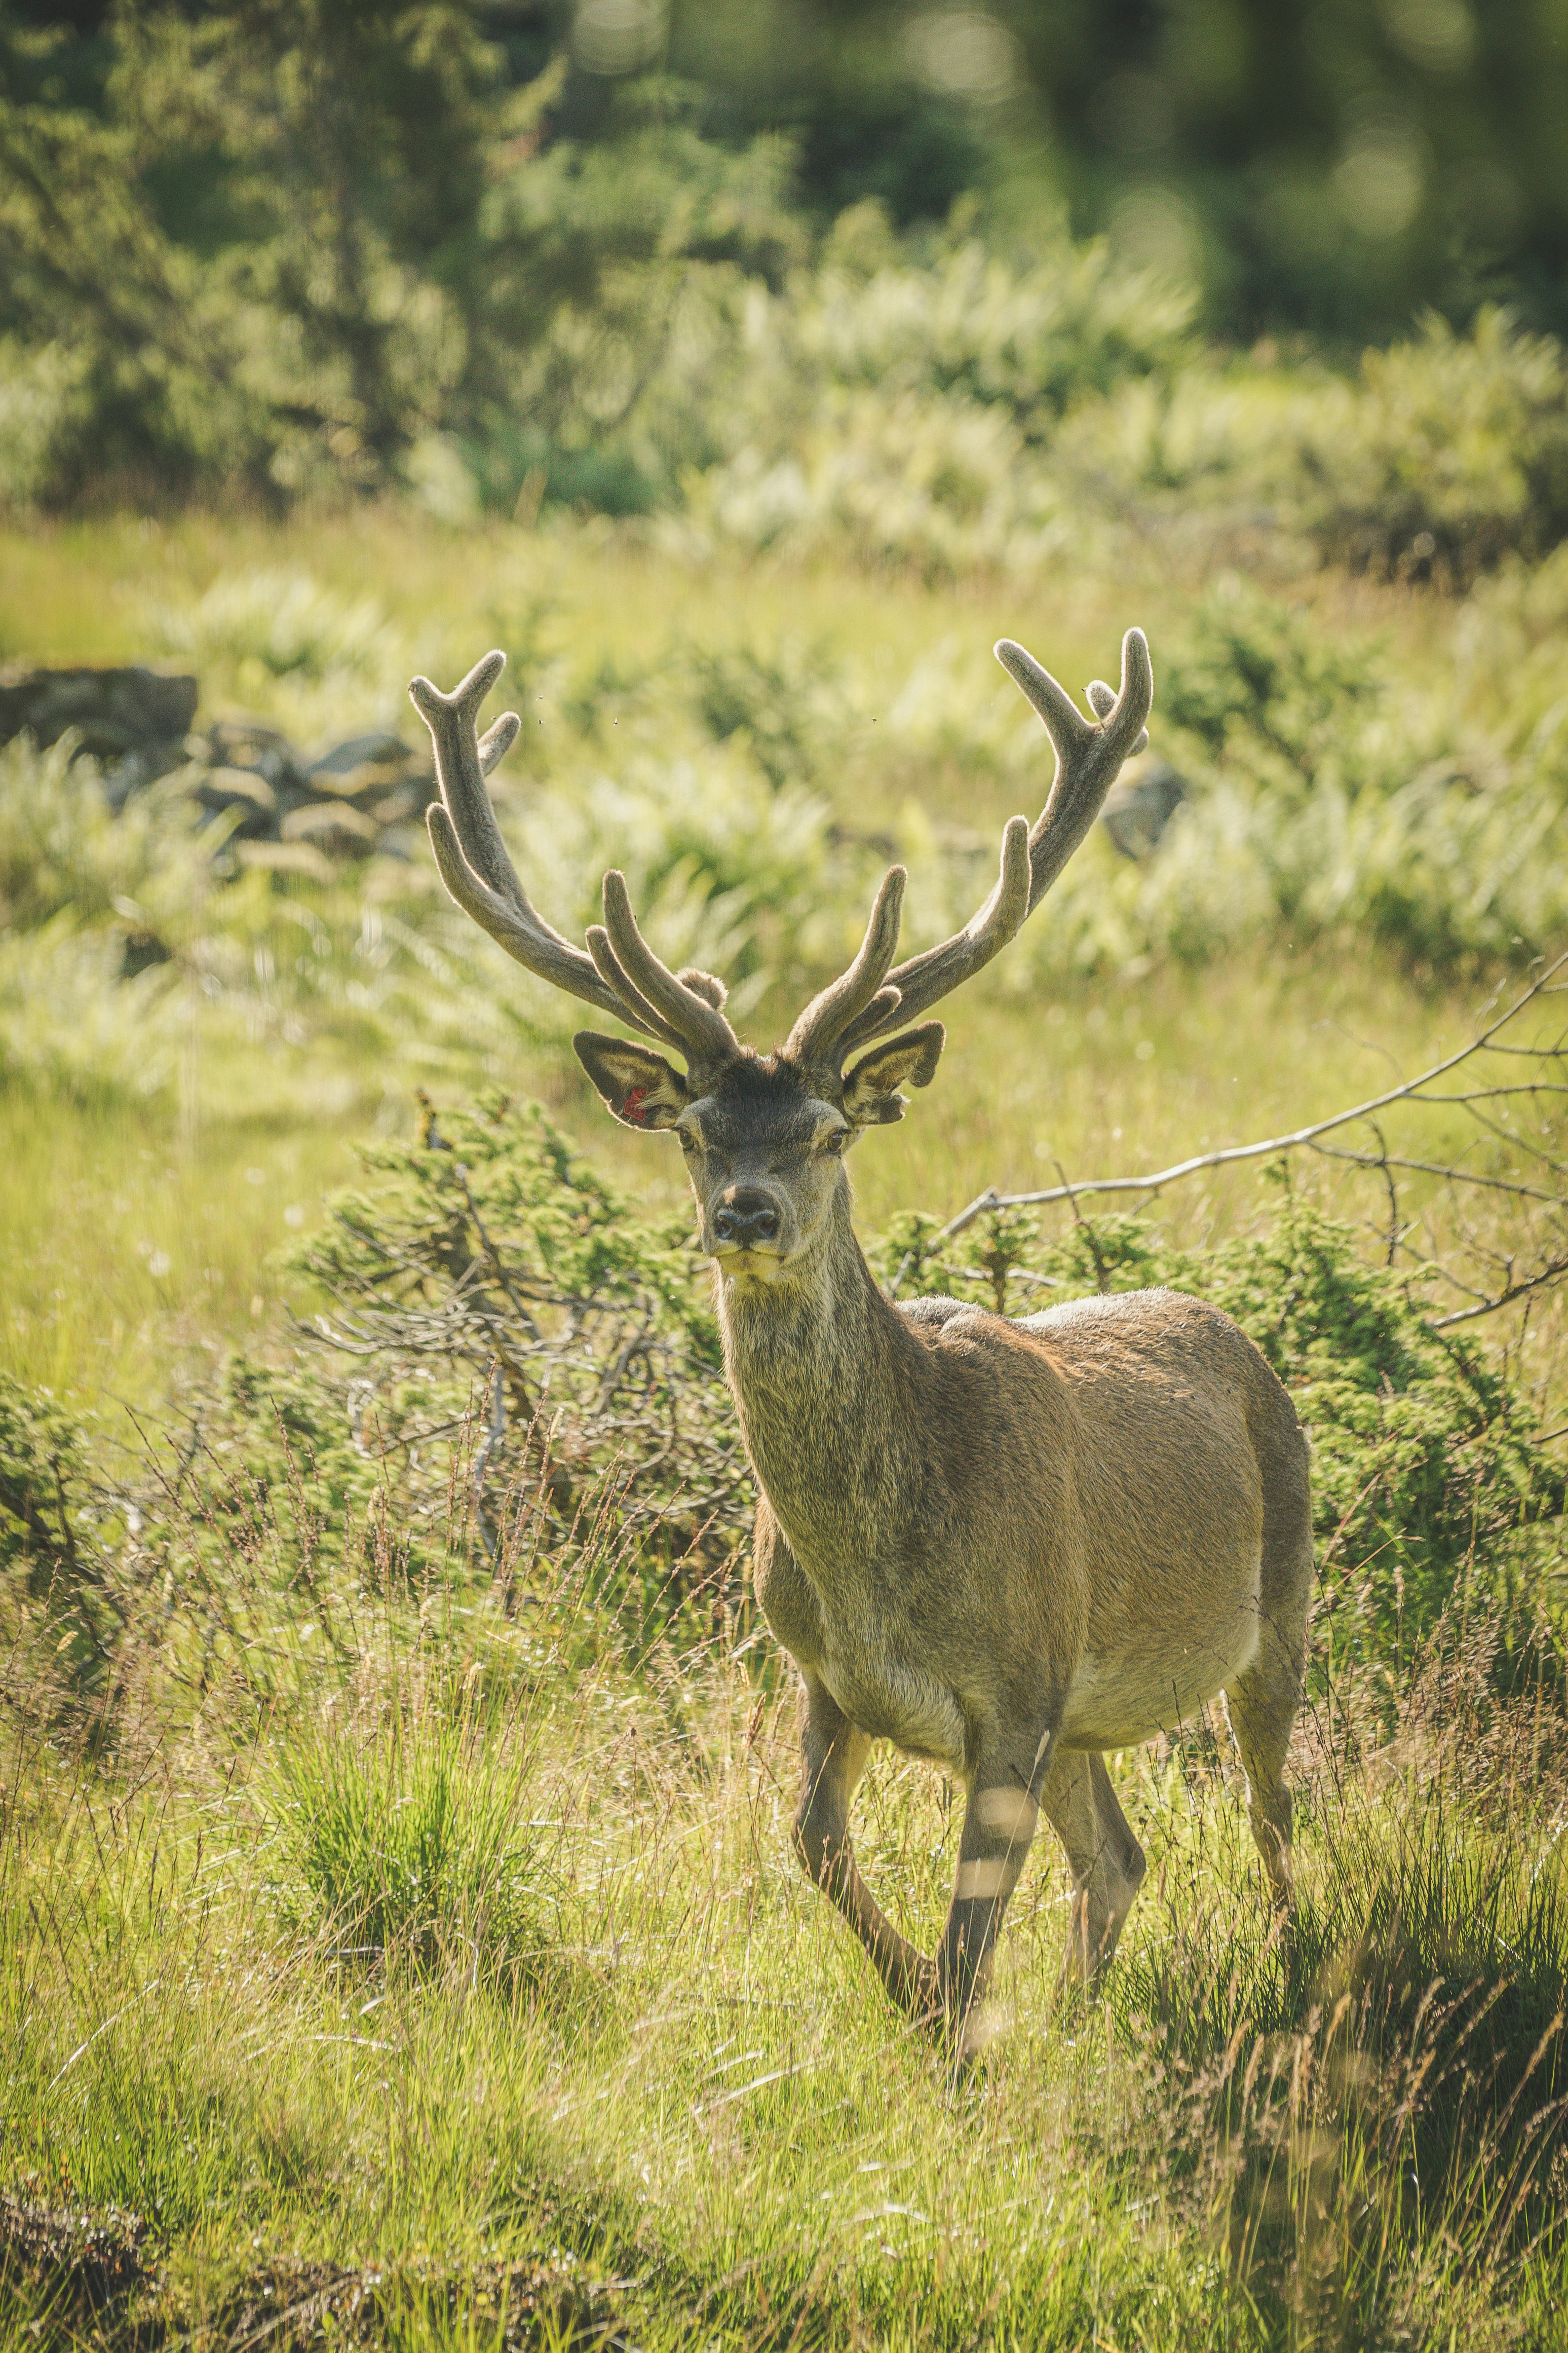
x=415, y=1965
x=415, y=1984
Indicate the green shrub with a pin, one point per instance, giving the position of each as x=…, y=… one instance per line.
x=1326, y=797
x=518, y=1379
x=514, y=1372
x=64, y=852
x=1033, y=337
x=1256, y=679
x=1441, y=456
x=74, y=1022
x=1451, y=452
x=1430, y=1489
x=43, y=1460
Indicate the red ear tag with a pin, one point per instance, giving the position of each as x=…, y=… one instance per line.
x=632, y=1108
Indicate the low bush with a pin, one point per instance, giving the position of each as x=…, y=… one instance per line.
x=486, y=1271
x=1449, y=453
x=64, y=852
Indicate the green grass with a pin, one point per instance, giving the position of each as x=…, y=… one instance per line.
x=704, y=2099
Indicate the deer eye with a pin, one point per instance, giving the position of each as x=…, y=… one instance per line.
x=688, y=1142
x=833, y=1146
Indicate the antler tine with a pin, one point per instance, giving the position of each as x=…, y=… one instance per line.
x=612, y=970
x=860, y=988
x=497, y=741
x=1088, y=757
x=472, y=858
x=699, y=1027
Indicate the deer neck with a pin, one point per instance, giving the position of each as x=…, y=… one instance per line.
x=821, y=1367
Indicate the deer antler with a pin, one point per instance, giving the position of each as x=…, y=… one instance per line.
x=874, y=996
x=620, y=975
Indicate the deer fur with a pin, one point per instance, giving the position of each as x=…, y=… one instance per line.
x=1007, y=1546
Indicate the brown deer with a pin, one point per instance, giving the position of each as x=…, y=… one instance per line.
x=1006, y=1546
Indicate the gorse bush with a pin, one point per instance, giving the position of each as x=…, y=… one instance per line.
x=1451, y=452
x=515, y=1386
x=64, y=852
x=1033, y=337
x=75, y=1020
x=43, y=1467
x=1435, y=459
x=1253, y=682
x=489, y=1261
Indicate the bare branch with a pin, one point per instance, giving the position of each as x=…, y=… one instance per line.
x=1270, y=1147
x=1558, y=1266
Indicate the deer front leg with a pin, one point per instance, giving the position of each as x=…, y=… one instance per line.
x=834, y=1753
x=999, y=1822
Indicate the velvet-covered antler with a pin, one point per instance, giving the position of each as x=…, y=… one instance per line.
x=620, y=973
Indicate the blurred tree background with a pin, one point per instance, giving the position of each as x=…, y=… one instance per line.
x=506, y=249
x=1331, y=165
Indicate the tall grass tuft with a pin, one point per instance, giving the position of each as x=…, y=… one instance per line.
x=410, y=1840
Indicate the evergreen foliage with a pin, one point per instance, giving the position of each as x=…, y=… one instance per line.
x=287, y=250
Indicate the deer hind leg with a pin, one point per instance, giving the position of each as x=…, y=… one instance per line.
x=1261, y=1707
x=1261, y=1704
x=1105, y=1858
x=833, y=1757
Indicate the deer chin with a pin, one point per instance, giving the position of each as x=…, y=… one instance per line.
x=750, y=1268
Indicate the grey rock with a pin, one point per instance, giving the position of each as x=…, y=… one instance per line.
x=334, y=828
x=1142, y=803
x=250, y=744
x=114, y=710
x=243, y=791
x=365, y=769
x=297, y=857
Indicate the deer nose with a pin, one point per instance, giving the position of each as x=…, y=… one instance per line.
x=747, y=1217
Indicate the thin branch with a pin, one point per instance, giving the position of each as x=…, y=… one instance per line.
x=1451, y=1170
x=1558, y=1266
x=1270, y=1146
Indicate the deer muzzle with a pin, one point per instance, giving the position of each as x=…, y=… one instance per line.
x=748, y=1219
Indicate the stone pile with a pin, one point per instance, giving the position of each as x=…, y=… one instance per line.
x=278, y=808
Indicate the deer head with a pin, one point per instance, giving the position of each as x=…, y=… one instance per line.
x=764, y=1136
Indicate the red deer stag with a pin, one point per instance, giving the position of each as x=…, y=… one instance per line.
x=1005, y=1545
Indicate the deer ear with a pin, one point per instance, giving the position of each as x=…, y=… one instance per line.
x=871, y=1096
x=637, y=1084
